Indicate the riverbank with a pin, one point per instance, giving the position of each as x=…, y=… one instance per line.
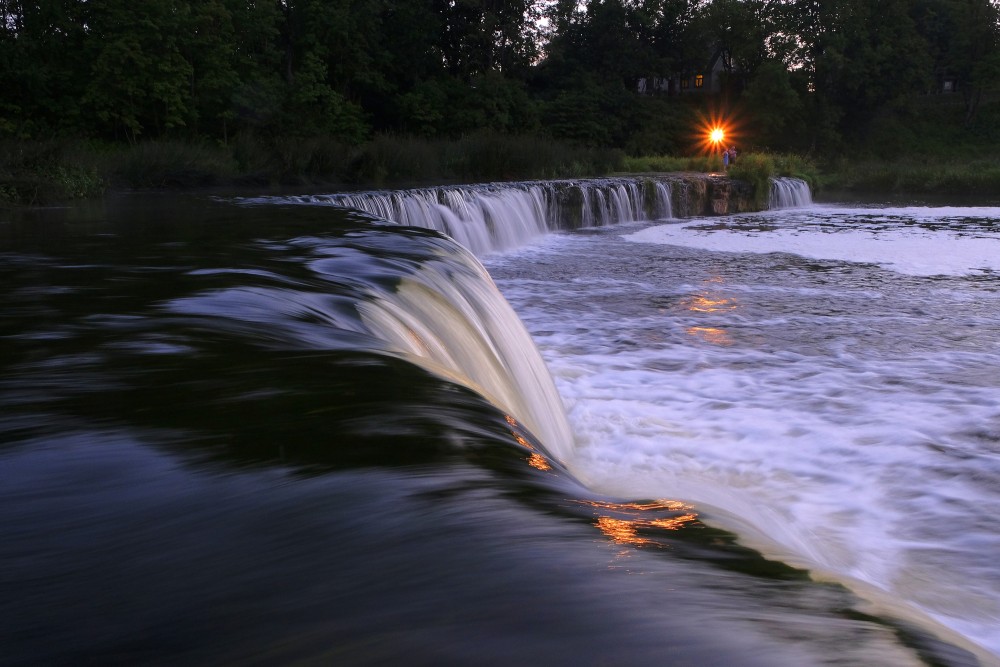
x=56, y=172
x=47, y=173
x=914, y=176
x=43, y=173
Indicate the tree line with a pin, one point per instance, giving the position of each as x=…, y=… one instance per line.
x=796, y=74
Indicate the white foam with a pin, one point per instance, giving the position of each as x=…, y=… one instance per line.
x=816, y=464
x=845, y=426
x=920, y=241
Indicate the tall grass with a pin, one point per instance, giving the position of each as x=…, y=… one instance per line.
x=915, y=176
x=796, y=166
x=46, y=172
x=661, y=163
x=168, y=164
x=757, y=169
x=290, y=160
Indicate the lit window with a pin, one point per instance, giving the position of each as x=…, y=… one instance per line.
x=699, y=80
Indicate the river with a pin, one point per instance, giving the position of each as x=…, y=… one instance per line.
x=273, y=429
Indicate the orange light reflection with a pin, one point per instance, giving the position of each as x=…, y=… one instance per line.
x=538, y=461
x=705, y=304
x=672, y=505
x=711, y=335
x=535, y=460
x=627, y=530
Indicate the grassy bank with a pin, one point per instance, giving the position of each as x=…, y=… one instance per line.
x=661, y=163
x=914, y=176
x=43, y=173
x=40, y=173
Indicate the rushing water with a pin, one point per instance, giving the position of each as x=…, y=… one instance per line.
x=272, y=430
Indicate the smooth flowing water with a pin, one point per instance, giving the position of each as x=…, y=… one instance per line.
x=273, y=430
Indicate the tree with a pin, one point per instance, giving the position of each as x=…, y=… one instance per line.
x=742, y=29
x=320, y=42
x=139, y=78
x=42, y=73
x=259, y=94
x=858, y=55
x=973, y=52
x=214, y=61
x=481, y=36
x=774, y=106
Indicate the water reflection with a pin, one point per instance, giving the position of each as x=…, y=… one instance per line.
x=713, y=335
x=638, y=524
x=535, y=460
x=709, y=303
x=203, y=468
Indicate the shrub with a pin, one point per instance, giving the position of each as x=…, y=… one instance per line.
x=914, y=176
x=42, y=173
x=757, y=169
x=170, y=164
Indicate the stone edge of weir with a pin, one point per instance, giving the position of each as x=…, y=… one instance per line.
x=704, y=194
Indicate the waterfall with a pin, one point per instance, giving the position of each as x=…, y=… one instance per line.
x=449, y=317
x=439, y=309
x=495, y=217
x=664, y=200
x=789, y=193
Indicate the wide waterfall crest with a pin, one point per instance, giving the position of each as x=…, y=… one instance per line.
x=450, y=318
x=495, y=217
x=789, y=193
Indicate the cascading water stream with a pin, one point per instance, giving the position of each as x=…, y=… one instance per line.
x=450, y=318
x=439, y=309
x=497, y=217
x=318, y=422
x=492, y=218
x=465, y=330
x=789, y=193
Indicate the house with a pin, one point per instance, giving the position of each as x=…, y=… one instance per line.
x=945, y=80
x=707, y=80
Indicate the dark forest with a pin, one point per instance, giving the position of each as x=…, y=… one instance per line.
x=812, y=77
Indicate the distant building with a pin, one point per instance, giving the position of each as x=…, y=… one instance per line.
x=945, y=81
x=707, y=80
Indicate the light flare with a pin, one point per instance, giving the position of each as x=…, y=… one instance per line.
x=715, y=132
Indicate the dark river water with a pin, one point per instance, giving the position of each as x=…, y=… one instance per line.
x=262, y=432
